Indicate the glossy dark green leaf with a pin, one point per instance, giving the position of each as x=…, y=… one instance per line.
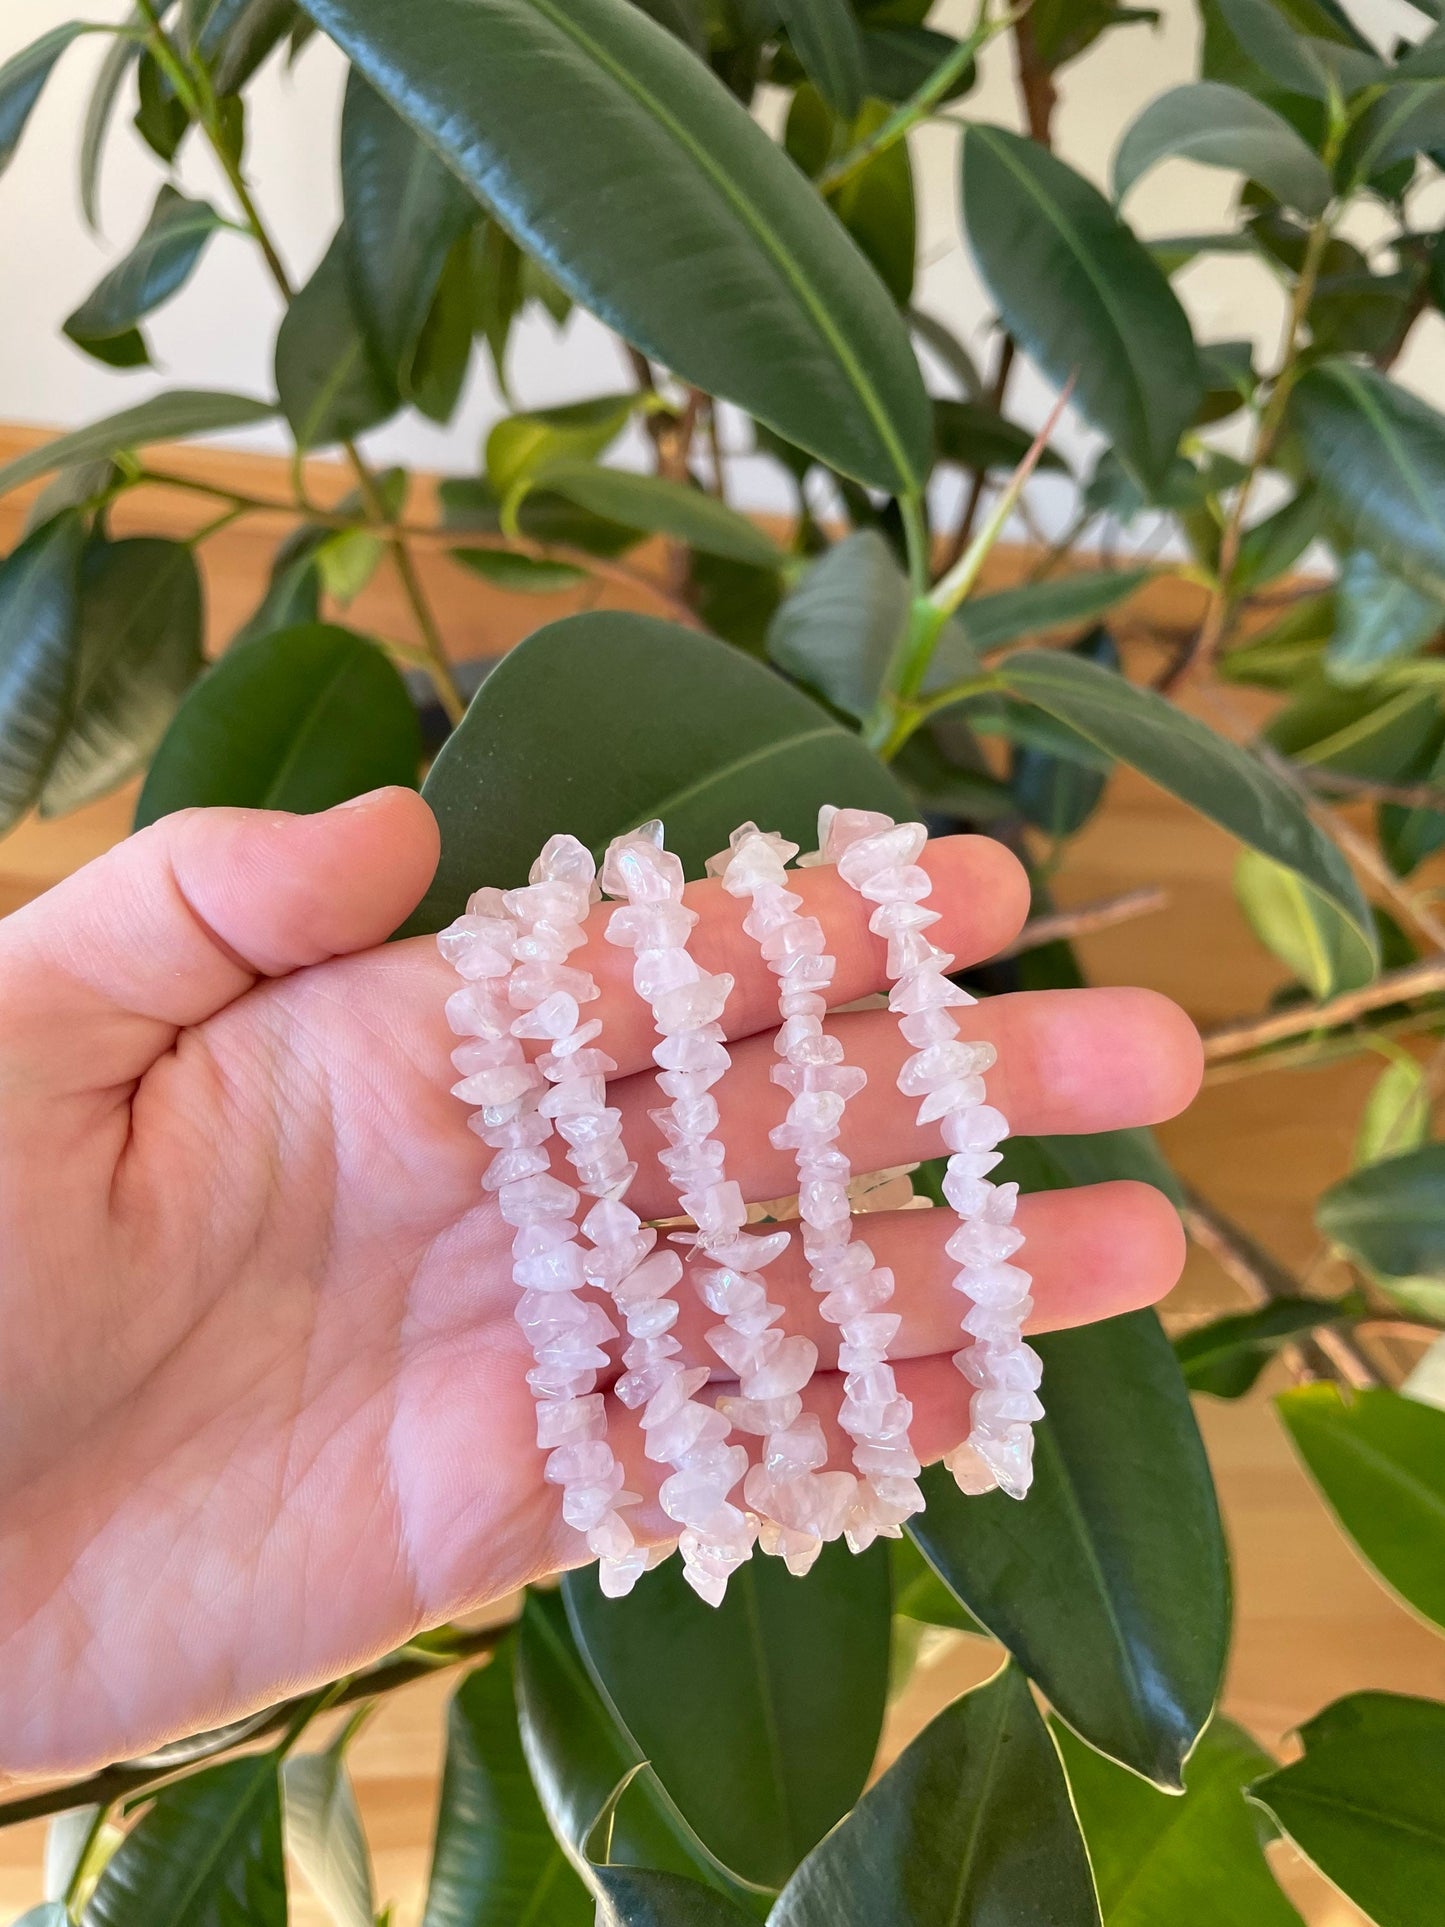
x=471, y=504
x=876, y=202
x=971, y=1824
x=640, y=1897
x=661, y=507
x=1378, y=455
x=973, y=435
x=1226, y=1356
x=837, y=629
x=1367, y=1804
x=826, y=38
x=22, y=81
x=120, y=56
x=206, y=1853
x=899, y=60
x=324, y=1835
x=1109, y=1583
x=949, y=350
x=293, y=591
x=238, y=35
x=1301, y=63
x=162, y=259
x=1058, y=794
x=986, y=622
x=330, y=384
x=1195, y=1861
x=1081, y=295
x=578, y=1755
x=1408, y=119
x=160, y=118
x=1409, y=835
x=1054, y=1163
x=1391, y=1216
x=297, y=720
x=39, y=584
x=404, y=210
x=1276, y=542
x=519, y=574
x=1377, y=730
x=1380, y=618
x=599, y=722
x=1379, y=1460
x=437, y=376
x=1221, y=126
x=169, y=417
x=788, y=1677
x=1323, y=949
x=139, y=634
x=659, y=163
x=1215, y=777
x=496, y=1861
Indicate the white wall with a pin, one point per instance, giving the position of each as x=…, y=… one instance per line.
x=218, y=332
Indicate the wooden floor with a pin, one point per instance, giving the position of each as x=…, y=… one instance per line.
x=1312, y=1623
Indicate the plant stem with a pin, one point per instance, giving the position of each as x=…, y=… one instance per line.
x=71, y=1897
x=979, y=479
x=1410, y=796
x=1245, y=1034
x=1064, y=925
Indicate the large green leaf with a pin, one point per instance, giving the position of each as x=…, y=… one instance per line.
x=170, y=417
x=640, y=1897
x=1378, y=454
x=1310, y=63
x=974, y=435
x=826, y=38
x=1082, y=295
x=788, y=1678
x=1408, y=119
x=1222, y=127
x=22, y=80
x=38, y=652
x=971, y=1825
x=1109, y=1583
x=1226, y=1356
x=1367, y=1804
x=1191, y=1862
x=578, y=1757
x=1391, y=1216
x=599, y=722
x=657, y=506
x=139, y=650
x=1380, y=1463
x=1215, y=777
x=1058, y=794
x=331, y=385
x=1378, y=731
x=404, y=209
x=207, y=1853
x=168, y=249
x=1322, y=948
x=837, y=629
x=659, y=164
x=1380, y=617
x=299, y=720
x=324, y=1835
x=496, y=1861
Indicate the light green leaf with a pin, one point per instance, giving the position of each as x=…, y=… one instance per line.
x=1226, y=1356
x=297, y=720
x=1193, y=1862
x=38, y=654
x=788, y=1677
x=206, y=1853
x=1220, y=126
x=659, y=163
x=139, y=634
x=599, y=722
x=837, y=629
x=660, y=507
x=1109, y=1584
x=1396, y=1116
x=330, y=385
x=1081, y=295
x=160, y=263
x=919, y=1593
x=521, y=447
x=50, y=1913
x=22, y=81
x=175, y=416
x=1380, y=1463
x=1380, y=617
x=1320, y=946
x=1366, y=1804
x=826, y=38
x=523, y=574
x=404, y=210
x=1378, y=455
x=496, y=1862
x=1215, y=777
x=1391, y=1216
x=876, y=203
x=971, y=1824
x=324, y=1835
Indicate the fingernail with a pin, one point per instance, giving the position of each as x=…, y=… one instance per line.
x=366, y=802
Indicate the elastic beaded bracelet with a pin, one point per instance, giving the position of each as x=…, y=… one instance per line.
x=816, y=1505
x=878, y=858
x=682, y=1431
x=513, y=947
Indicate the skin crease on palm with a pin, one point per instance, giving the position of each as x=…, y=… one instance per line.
x=262, y=1404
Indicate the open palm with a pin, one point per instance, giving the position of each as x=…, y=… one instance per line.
x=263, y=1411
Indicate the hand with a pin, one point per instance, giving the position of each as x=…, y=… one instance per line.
x=262, y=1404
